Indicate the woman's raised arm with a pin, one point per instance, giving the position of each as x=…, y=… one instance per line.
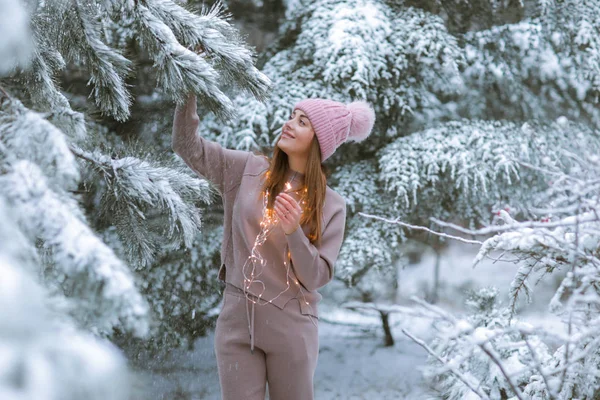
x=221, y=166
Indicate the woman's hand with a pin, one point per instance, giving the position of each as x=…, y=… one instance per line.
x=288, y=211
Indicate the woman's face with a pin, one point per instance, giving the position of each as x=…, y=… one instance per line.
x=296, y=134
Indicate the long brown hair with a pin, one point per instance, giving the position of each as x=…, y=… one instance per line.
x=312, y=191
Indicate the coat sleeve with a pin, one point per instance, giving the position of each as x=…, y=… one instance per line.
x=221, y=166
x=314, y=265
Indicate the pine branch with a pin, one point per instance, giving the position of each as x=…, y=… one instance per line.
x=38, y=82
x=221, y=41
x=136, y=188
x=95, y=275
x=28, y=135
x=180, y=70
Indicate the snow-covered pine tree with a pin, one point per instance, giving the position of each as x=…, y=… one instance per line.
x=103, y=213
x=477, y=351
x=541, y=68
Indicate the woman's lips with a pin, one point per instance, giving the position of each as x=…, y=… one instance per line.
x=287, y=135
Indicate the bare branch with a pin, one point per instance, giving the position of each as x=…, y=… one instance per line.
x=539, y=367
x=453, y=369
x=397, y=221
x=492, y=354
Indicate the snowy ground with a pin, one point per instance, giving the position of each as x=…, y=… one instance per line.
x=353, y=364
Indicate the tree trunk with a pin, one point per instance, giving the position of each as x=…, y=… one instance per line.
x=436, y=277
x=389, y=339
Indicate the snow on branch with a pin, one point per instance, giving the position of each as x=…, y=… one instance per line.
x=28, y=135
x=77, y=31
x=135, y=190
x=79, y=35
x=180, y=70
x=37, y=83
x=368, y=244
x=422, y=228
x=354, y=181
x=364, y=27
x=482, y=353
x=540, y=68
x=477, y=167
x=472, y=156
x=96, y=276
x=222, y=42
x=577, y=23
x=37, y=346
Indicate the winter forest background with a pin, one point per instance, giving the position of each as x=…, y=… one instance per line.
x=471, y=263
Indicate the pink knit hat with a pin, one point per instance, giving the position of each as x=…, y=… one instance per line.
x=335, y=122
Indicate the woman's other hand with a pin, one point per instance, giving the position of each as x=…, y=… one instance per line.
x=288, y=212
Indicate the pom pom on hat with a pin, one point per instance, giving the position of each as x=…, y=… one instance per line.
x=363, y=119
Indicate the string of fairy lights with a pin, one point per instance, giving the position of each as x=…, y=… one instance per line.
x=255, y=263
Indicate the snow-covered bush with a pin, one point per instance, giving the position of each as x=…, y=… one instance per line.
x=479, y=352
x=564, y=239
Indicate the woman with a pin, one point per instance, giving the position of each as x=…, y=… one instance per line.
x=283, y=231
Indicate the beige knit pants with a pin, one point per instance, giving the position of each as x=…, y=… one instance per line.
x=286, y=349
